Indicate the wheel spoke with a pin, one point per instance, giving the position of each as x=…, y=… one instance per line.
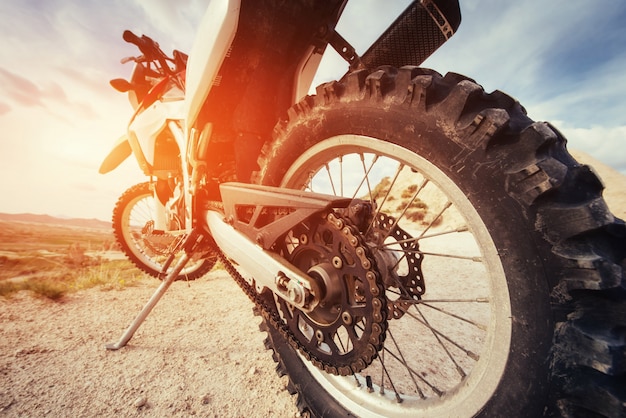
x=477, y=325
x=340, y=159
x=436, y=218
x=443, y=346
x=399, y=357
x=404, y=362
x=458, y=257
x=386, y=373
x=330, y=178
x=433, y=266
x=468, y=352
x=415, y=373
x=418, y=239
x=365, y=179
x=406, y=207
x=386, y=196
x=474, y=300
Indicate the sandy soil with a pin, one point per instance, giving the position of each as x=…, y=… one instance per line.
x=199, y=353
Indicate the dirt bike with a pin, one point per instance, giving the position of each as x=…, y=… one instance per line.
x=149, y=218
x=415, y=246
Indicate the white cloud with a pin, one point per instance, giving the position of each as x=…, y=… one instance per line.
x=595, y=99
x=177, y=21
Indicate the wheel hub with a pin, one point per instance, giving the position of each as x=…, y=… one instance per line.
x=329, y=308
x=344, y=333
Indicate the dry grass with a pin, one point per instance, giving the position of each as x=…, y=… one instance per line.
x=406, y=201
x=51, y=261
x=56, y=279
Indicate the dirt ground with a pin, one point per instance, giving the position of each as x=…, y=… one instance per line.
x=198, y=353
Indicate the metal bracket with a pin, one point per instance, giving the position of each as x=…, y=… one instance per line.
x=346, y=50
x=439, y=18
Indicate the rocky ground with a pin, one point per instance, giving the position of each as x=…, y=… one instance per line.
x=199, y=353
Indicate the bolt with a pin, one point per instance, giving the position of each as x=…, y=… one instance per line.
x=337, y=262
x=295, y=296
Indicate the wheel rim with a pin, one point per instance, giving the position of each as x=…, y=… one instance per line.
x=445, y=356
x=136, y=216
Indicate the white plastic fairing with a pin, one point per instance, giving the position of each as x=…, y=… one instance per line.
x=147, y=125
x=215, y=36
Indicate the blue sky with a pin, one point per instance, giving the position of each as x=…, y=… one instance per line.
x=563, y=60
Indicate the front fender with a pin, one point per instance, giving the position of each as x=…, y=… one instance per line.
x=121, y=151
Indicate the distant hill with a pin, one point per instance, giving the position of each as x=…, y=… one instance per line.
x=614, y=181
x=51, y=220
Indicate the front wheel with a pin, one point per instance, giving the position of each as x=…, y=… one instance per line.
x=501, y=262
x=147, y=246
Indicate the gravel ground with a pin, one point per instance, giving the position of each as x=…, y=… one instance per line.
x=198, y=353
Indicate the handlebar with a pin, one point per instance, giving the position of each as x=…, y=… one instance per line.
x=151, y=52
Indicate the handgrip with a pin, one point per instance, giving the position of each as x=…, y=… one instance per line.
x=144, y=43
x=130, y=37
x=149, y=49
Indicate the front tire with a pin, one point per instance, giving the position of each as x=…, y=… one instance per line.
x=148, y=249
x=543, y=259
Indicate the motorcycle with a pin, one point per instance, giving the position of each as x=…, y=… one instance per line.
x=149, y=218
x=415, y=245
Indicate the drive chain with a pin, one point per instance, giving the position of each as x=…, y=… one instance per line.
x=378, y=304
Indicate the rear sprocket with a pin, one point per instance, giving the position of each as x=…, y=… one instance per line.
x=344, y=333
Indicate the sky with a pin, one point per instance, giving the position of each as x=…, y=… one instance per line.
x=564, y=60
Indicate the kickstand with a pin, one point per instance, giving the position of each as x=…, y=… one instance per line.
x=189, y=246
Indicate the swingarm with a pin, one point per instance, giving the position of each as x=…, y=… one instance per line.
x=254, y=218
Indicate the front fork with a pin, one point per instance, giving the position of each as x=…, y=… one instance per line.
x=197, y=239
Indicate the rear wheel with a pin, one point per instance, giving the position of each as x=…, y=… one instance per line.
x=146, y=246
x=501, y=263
